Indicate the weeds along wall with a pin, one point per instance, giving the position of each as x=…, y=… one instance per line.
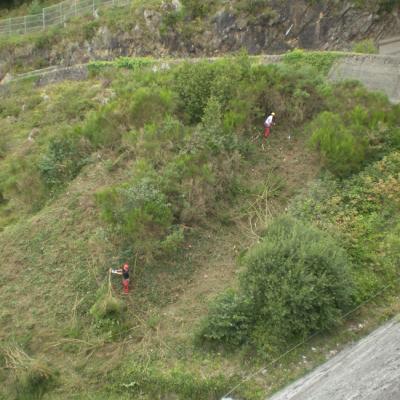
x=54, y=15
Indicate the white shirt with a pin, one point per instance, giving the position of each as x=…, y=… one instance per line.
x=268, y=121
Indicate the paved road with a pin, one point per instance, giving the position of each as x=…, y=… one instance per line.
x=369, y=370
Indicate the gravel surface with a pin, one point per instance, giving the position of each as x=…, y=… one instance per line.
x=369, y=370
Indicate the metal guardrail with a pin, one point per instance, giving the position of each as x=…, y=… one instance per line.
x=54, y=15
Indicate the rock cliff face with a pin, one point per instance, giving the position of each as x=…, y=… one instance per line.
x=284, y=25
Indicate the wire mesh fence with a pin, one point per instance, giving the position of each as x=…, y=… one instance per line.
x=54, y=15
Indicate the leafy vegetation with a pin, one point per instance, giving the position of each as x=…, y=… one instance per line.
x=162, y=168
x=366, y=46
x=296, y=282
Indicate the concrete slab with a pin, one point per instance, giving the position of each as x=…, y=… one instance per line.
x=369, y=370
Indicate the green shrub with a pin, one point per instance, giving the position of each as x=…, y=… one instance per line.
x=131, y=63
x=298, y=280
x=172, y=243
x=104, y=128
x=366, y=46
x=295, y=282
x=321, y=61
x=193, y=84
x=149, y=104
x=107, y=306
x=35, y=7
x=361, y=211
x=340, y=150
x=229, y=320
x=197, y=9
x=65, y=157
x=139, y=211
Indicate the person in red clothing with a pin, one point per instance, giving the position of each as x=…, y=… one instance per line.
x=124, y=271
x=268, y=124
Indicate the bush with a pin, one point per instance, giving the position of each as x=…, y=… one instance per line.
x=107, y=306
x=65, y=157
x=295, y=282
x=229, y=320
x=104, y=128
x=139, y=211
x=150, y=104
x=341, y=151
x=362, y=210
x=321, y=61
x=298, y=280
x=366, y=46
x=193, y=84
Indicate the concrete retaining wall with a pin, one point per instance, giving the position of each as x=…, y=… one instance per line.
x=390, y=46
x=376, y=72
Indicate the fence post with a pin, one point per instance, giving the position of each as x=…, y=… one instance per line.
x=93, y=7
x=75, y=8
x=44, y=19
x=25, y=24
x=9, y=27
x=61, y=13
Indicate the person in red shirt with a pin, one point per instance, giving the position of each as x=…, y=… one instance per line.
x=124, y=271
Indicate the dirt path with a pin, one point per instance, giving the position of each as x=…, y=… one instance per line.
x=369, y=370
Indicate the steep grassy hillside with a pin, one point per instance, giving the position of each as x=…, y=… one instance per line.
x=164, y=169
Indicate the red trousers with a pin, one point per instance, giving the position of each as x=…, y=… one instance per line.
x=125, y=284
x=267, y=131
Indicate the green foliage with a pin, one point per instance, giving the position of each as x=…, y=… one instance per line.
x=193, y=84
x=341, y=151
x=198, y=9
x=150, y=105
x=178, y=383
x=35, y=7
x=130, y=63
x=104, y=128
x=139, y=211
x=296, y=281
x=65, y=157
x=229, y=320
x=107, y=306
x=321, y=61
x=347, y=139
x=362, y=211
x=366, y=46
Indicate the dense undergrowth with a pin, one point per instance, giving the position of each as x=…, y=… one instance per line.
x=140, y=164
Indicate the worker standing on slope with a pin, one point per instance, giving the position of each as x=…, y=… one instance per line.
x=268, y=124
x=124, y=271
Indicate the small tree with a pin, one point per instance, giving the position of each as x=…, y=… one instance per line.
x=298, y=280
x=295, y=282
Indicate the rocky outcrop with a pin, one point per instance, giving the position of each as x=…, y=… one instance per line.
x=283, y=25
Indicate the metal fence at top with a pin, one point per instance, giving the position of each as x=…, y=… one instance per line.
x=54, y=15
